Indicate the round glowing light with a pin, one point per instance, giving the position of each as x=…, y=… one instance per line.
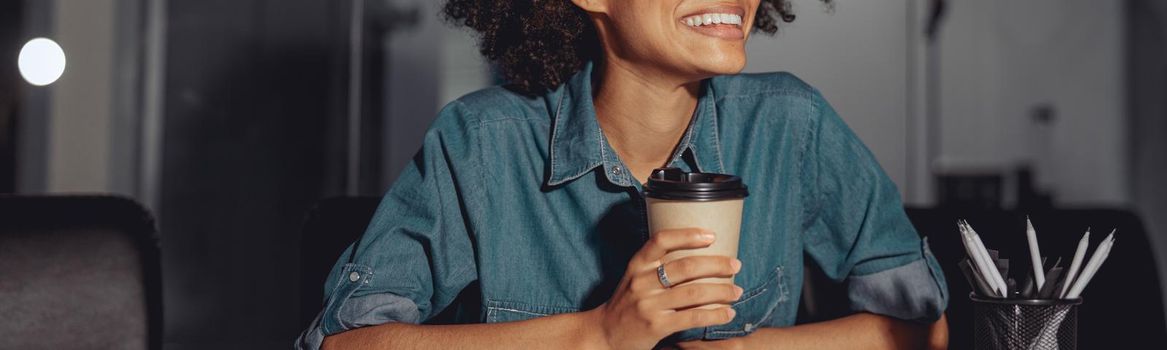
x=41, y=61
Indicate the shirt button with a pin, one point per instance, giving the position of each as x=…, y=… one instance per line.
x=354, y=276
x=749, y=327
x=616, y=170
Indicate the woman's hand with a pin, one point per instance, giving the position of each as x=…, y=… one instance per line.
x=641, y=311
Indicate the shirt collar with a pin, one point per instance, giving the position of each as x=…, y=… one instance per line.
x=578, y=145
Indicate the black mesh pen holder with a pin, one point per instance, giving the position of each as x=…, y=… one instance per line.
x=1025, y=324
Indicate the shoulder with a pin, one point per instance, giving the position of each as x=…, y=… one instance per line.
x=765, y=85
x=489, y=105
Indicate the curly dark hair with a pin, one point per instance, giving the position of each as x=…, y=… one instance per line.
x=538, y=43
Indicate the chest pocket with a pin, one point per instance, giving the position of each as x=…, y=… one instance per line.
x=755, y=308
x=506, y=311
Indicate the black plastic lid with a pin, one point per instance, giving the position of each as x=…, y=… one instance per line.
x=675, y=184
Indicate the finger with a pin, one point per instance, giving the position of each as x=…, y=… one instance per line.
x=702, y=266
x=698, y=294
x=696, y=318
x=663, y=242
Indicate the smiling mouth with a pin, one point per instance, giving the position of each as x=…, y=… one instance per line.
x=709, y=19
x=723, y=23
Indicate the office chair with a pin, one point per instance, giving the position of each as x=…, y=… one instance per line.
x=78, y=272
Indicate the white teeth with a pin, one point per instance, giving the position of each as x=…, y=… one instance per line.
x=713, y=18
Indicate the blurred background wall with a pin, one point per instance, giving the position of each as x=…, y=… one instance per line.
x=229, y=119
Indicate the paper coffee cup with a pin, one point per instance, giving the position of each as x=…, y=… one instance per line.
x=714, y=202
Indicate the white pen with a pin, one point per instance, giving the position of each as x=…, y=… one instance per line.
x=1034, y=254
x=1092, y=266
x=1089, y=272
x=974, y=258
x=978, y=262
x=990, y=263
x=1075, y=264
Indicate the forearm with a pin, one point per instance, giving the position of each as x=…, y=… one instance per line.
x=859, y=331
x=565, y=331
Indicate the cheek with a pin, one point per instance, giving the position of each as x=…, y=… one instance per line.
x=752, y=10
x=646, y=38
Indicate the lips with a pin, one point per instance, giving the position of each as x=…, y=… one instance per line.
x=718, y=21
x=713, y=18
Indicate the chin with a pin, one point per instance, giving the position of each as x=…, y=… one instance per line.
x=722, y=67
x=720, y=59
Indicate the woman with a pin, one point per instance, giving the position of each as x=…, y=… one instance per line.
x=526, y=200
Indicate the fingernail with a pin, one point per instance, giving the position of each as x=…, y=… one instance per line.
x=736, y=265
x=738, y=290
x=706, y=236
x=731, y=312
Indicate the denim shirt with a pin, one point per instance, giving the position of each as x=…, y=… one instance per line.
x=520, y=205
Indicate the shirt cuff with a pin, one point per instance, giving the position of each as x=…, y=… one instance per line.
x=356, y=312
x=912, y=292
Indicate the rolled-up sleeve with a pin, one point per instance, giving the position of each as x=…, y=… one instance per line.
x=858, y=232
x=416, y=254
